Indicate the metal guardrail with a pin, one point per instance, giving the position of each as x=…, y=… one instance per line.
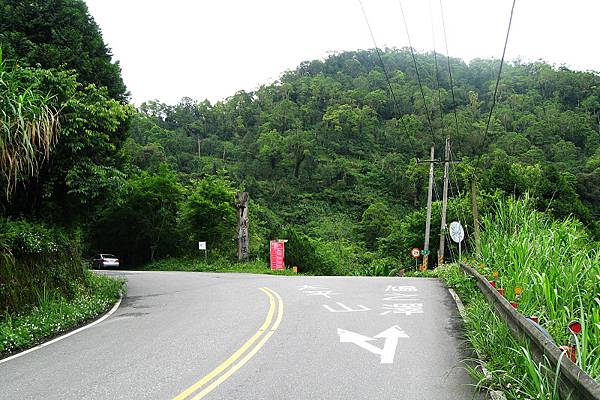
x=575, y=382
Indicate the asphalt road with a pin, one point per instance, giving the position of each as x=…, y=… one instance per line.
x=242, y=336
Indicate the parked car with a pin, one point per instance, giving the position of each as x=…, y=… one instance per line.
x=105, y=261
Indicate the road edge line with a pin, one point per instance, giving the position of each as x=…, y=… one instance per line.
x=66, y=335
x=493, y=394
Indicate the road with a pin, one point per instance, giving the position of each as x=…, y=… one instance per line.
x=183, y=335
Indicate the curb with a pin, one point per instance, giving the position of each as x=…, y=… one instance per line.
x=66, y=335
x=493, y=394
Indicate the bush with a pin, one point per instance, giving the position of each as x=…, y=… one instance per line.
x=33, y=258
x=302, y=251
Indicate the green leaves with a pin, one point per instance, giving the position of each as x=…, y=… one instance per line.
x=29, y=123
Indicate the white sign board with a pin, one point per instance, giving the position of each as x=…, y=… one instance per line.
x=457, y=233
x=201, y=245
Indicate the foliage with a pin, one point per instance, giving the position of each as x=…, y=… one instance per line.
x=196, y=264
x=54, y=313
x=208, y=213
x=29, y=123
x=139, y=222
x=57, y=33
x=303, y=252
x=554, y=264
x=509, y=362
x=34, y=256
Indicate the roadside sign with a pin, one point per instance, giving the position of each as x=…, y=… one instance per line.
x=277, y=255
x=415, y=252
x=201, y=245
x=457, y=233
x=425, y=252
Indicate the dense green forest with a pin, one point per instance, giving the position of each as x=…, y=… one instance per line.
x=328, y=157
x=324, y=153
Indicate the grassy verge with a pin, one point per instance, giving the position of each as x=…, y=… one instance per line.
x=200, y=265
x=511, y=366
x=552, y=270
x=557, y=267
x=54, y=315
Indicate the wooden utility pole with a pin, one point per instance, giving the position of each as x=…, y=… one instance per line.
x=444, y=203
x=428, y=223
x=475, y=215
x=241, y=203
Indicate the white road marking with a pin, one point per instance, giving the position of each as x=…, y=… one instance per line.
x=345, y=308
x=402, y=308
x=387, y=353
x=304, y=287
x=324, y=293
x=391, y=288
x=96, y=322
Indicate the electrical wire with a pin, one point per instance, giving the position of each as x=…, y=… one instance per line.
x=436, y=71
x=412, y=53
x=487, y=127
x=385, y=71
x=454, y=105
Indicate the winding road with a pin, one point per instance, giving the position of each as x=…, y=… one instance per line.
x=181, y=335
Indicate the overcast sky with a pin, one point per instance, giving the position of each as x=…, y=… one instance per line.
x=211, y=49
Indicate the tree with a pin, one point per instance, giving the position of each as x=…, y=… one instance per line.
x=139, y=223
x=53, y=33
x=208, y=213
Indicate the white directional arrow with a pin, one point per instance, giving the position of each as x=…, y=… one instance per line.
x=387, y=353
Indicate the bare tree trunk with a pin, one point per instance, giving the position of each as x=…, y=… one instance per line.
x=241, y=203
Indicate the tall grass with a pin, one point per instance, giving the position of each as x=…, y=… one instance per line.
x=28, y=126
x=511, y=368
x=555, y=264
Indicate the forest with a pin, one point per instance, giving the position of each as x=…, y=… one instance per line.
x=328, y=152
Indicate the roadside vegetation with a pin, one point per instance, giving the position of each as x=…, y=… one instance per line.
x=223, y=265
x=557, y=268
x=328, y=160
x=54, y=314
x=45, y=287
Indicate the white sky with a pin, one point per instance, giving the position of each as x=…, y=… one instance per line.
x=211, y=49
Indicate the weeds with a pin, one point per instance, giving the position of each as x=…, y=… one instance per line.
x=54, y=314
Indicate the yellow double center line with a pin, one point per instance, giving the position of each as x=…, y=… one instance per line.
x=218, y=375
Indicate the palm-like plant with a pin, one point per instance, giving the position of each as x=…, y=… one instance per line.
x=29, y=126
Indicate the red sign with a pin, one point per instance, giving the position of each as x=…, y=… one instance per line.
x=277, y=254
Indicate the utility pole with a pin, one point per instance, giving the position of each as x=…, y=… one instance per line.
x=475, y=214
x=428, y=223
x=444, y=202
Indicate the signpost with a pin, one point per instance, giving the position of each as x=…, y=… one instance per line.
x=416, y=253
x=202, y=246
x=457, y=234
x=277, y=254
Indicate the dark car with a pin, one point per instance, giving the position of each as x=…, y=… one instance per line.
x=105, y=261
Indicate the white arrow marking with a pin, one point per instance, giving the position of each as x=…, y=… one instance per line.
x=387, y=353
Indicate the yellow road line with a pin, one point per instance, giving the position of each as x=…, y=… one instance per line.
x=215, y=372
x=250, y=354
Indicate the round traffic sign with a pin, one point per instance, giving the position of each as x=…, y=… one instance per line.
x=415, y=252
x=457, y=233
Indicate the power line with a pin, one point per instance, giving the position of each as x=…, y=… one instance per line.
x=449, y=69
x=412, y=53
x=436, y=70
x=385, y=72
x=499, y=72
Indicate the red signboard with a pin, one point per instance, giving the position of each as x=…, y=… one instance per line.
x=277, y=254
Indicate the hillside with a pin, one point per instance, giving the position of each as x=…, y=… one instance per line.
x=325, y=149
